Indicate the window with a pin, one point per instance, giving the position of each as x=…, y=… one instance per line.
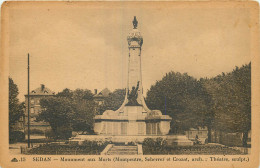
x=32, y=101
x=32, y=110
x=38, y=102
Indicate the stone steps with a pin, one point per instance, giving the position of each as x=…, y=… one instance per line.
x=122, y=153
x=119, y=148
x=123, y=150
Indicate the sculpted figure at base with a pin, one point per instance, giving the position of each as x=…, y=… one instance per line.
x=132, y=96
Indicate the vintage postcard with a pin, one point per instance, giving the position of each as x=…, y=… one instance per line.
x=130, y=84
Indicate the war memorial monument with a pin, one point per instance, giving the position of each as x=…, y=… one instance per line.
x=133, y=121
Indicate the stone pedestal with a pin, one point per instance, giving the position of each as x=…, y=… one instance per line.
x=133, y=120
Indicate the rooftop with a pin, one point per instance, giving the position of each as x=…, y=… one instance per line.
x=42, y=91
x=104, y=93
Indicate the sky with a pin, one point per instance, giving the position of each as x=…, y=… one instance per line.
x=79, y=45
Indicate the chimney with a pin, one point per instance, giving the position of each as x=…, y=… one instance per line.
x=95, y=91
x=42, y=87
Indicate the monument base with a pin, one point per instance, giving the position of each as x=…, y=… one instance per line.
x=132, y=120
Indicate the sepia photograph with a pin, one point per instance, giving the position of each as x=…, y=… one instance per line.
x=161, y=82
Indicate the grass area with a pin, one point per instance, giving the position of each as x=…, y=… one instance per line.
x=191, y=150
x=88, y=148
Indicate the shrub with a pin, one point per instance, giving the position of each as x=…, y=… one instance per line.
x=49, y=134
x=16, y=136
x=64, y=132
x=152, y=146
x=191, y=150
x=95, y=143
x=87, y=148
x=35, y=131
x=131, y=143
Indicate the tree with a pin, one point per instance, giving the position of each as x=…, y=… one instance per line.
x=113, y=101
x=208, y=115
x=83, y=119
x=222, y=103
x=242, y=78
x=180, y=96
x=16, y=109
x=232, y=101
x=81, y=94
x=67, y=93
x=84, y=106
x=58, y=112
x=69, y=110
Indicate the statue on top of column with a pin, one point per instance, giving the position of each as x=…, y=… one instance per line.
x=135, y=22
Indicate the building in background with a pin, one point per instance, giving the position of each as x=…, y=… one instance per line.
x=36, y=127
x=99, y=98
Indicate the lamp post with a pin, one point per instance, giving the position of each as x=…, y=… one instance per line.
x=28, y=123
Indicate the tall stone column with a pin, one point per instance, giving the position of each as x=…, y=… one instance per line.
x=134, y=91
